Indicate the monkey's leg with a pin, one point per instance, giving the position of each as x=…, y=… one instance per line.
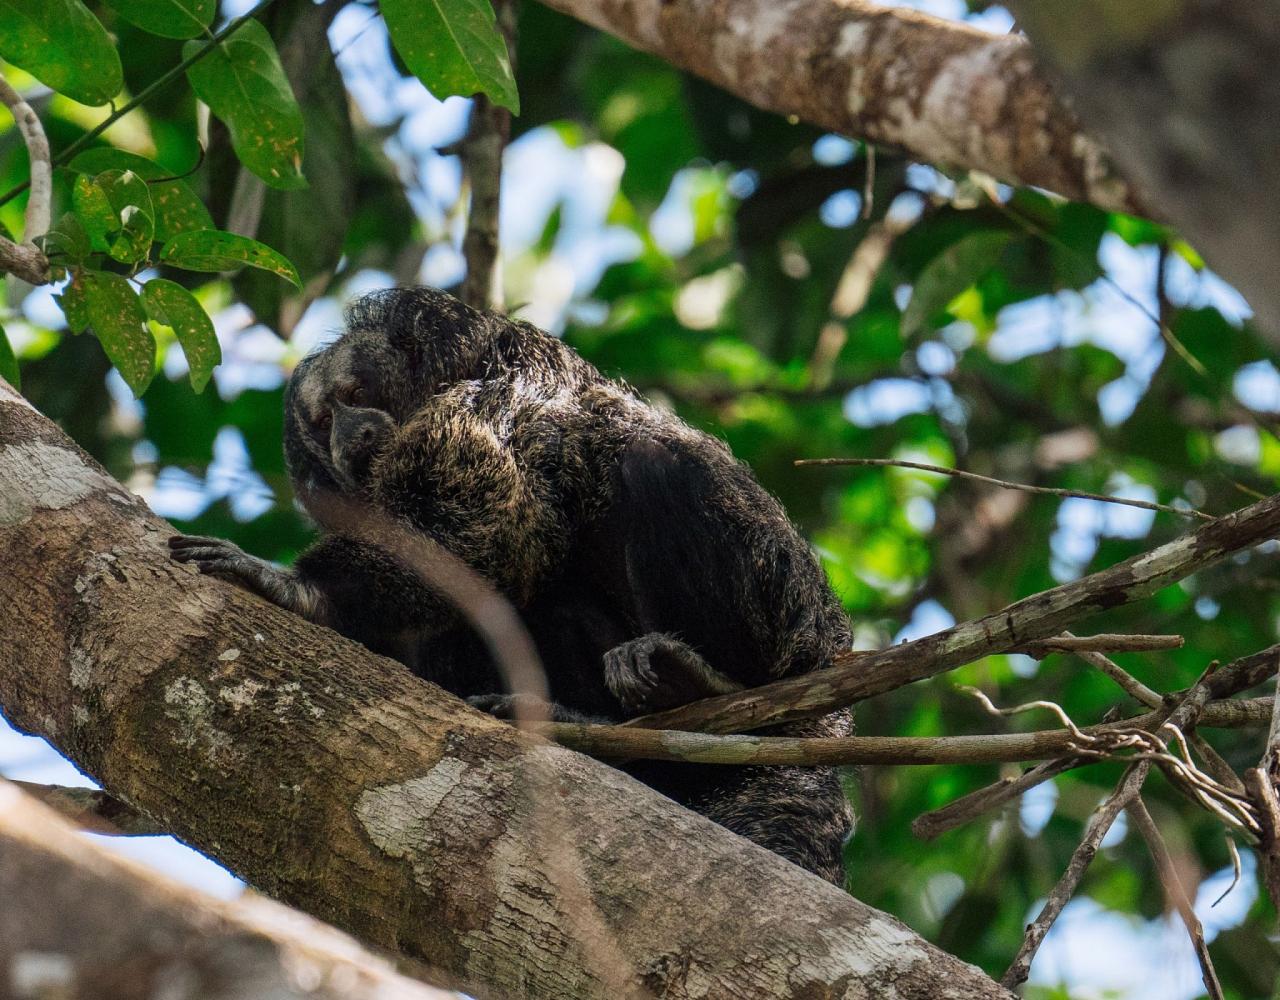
x=227, y=561
x=658, y=671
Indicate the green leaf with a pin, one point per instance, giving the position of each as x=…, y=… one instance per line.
x=177, y=208
x=71, y=301
x=454, y=47
x=949, y=274
x=93, y=209
x=9, y=363
x=131, y=202
x=244, y=85
x=171, y=305
x=66, y=239
x=168, y=18
x=120, y=323
x=63, y=46
x=213, y=250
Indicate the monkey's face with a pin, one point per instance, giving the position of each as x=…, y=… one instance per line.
x=340, y=409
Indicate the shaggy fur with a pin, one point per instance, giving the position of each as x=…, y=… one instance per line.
x=649, y=565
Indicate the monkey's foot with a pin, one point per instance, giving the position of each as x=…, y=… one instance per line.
x=227, y=561
x=658, y=671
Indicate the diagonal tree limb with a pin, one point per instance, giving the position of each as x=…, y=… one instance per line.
x=855, y=677
x=944, y=92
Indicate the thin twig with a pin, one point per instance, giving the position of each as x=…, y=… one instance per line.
x=1128, y=683
x=24, y=258
x=1103, y=642
x=942, y=470
x=969, y=807
x=1175, y=892
x=1099, y=823
x=627, y=742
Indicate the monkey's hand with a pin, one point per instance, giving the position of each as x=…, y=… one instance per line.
x=657, y=671
x=227, y=561
x=507, y=706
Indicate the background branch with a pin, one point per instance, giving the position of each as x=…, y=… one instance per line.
x=854, y=677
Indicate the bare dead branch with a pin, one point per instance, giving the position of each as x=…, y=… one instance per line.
x=1108, y=642
x=1099, y=823
x=93, y=810
x=627, y=742
x=1006, y=485
x=1128, y=683
x=853, y=678
x=1175, y=892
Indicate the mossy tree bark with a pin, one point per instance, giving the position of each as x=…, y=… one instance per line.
x=334, y=780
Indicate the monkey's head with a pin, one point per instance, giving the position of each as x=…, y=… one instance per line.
x=400, y=348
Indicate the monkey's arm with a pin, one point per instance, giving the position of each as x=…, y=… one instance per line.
x=355, y=588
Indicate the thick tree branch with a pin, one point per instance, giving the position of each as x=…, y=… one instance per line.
x=335, y=780
x=80, y=921
x=1186, y=97
x=943, y=92
x=857, y=676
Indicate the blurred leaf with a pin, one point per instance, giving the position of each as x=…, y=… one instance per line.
x=171, y=305
x=9, y=363
x=62, y=45
x=454, y=47
x=216, y=251
x=244, y=85
x=949, y=274
x=120, y=324
x=176, y=207
x=168, y=18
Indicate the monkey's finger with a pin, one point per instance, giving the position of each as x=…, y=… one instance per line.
x=207, y=553
x=184, y=543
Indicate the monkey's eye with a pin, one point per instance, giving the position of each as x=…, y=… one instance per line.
x=324, y=421
x=355, y=395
